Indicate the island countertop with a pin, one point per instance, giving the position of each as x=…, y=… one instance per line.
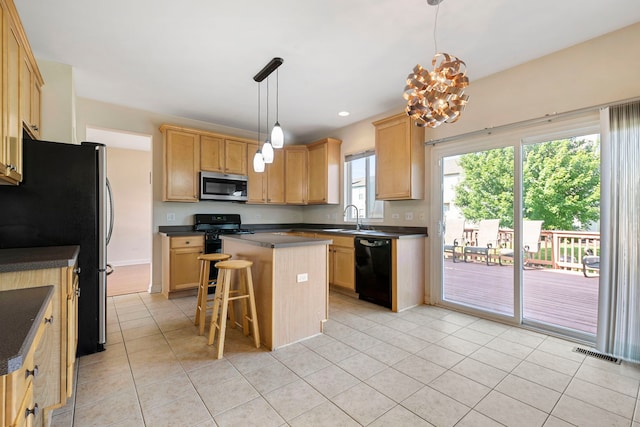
x=275, y=240
x=23, y=259
x=21, y=311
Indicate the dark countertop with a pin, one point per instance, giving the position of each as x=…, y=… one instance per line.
x=23, y=259
x=21, y=312
x=388, y=232
x=274, y=240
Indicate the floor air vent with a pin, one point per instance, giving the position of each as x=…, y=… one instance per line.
x=597, y=355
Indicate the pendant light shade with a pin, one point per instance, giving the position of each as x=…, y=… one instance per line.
x=258, y=162
x=277, y=136
x=267, y=152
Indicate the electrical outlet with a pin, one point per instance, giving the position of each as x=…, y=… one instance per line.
x=171, y=217
x=395, y=216
x=408, y=216
x=302, y=277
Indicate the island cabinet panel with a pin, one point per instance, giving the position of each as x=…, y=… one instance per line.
x=288, y=310
x=399, y=159
x=324, y=171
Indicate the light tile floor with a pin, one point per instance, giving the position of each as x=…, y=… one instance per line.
x=425, y=366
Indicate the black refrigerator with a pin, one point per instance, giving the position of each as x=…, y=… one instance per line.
x=65, y=199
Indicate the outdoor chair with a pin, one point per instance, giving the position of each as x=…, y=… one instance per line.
x=530, y=241
x=454, y=239
x=486, y=240
x=590, y=262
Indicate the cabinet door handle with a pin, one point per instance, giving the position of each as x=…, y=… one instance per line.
x=48, y=320
x=77, y=270
x=34, y=372
x=33, y=411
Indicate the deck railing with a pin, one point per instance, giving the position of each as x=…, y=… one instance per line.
x=559, y=250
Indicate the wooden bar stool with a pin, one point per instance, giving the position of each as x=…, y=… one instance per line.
x=225, y=295
x=205, y=302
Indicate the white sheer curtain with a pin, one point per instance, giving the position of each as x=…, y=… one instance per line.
x=619, y=309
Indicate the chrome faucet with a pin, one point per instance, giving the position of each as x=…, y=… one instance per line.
x=357, y=215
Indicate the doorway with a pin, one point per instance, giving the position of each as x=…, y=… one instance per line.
x=533, y=195
x=129, y=164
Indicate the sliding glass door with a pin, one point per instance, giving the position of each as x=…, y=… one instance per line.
x=477, y=206
x=516, y=218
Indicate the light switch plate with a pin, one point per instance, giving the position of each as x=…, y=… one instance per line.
x=302, y=277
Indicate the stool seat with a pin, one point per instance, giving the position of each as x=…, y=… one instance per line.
x=204, y=302
x=225, y=296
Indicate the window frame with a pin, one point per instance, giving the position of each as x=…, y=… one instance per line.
x=371, y=204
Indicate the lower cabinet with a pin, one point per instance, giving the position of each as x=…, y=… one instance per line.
x=25, y=393
x=54, y=355
x=342, y=261
x=180, y=265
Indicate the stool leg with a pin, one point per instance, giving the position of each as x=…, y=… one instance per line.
x=214, y=325
x=199, y=300
x=252, y=304
x=204, y=291
x=243, y=291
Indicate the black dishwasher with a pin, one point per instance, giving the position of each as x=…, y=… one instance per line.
x=373, y=270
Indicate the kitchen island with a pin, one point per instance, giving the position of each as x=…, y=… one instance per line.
x=290, y=280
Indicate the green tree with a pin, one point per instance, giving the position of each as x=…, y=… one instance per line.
x=561, y=184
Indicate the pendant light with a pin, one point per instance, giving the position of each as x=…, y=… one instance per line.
x=277, y=136
x=267, y=149
x=258, y=159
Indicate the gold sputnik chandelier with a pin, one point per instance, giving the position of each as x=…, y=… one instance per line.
x=436, y=97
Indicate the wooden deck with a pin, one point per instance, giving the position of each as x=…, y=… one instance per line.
x=562, y=298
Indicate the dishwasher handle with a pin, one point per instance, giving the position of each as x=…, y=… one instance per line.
x=374, y=243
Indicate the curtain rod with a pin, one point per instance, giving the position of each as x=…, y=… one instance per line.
x=547, y=118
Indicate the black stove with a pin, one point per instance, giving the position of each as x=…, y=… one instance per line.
x=214, y=225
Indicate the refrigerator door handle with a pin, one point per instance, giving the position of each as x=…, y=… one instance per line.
x=111, y=211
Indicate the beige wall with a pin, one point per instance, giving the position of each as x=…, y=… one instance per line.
x=58, y=102
x=592, y=73
x=129, y=173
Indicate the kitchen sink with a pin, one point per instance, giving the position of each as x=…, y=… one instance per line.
x=335, y=230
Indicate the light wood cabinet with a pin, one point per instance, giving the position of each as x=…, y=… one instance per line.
x=342, y=261
x=399, y=159
x=56, y=357
x=268, y=186
x=211, y=154
x=235, y=157
x=180, y=265
x=324, y=171
x=181, y=155
x=22, y=392
x=296, y=175
x=21, y=83
x=218, y=154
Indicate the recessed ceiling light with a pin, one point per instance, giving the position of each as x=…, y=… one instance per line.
x=343, y=113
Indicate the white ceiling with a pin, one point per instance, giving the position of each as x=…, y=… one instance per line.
x=197, y=58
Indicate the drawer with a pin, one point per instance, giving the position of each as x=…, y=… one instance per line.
x=345, y=241
x=47, y=321
x=18, y=383
x=187, y=242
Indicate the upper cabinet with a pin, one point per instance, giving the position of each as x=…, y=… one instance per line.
x=181, y=155
x=324, y=171
x=20, y=93
x=224, y=155
x=187, y=151
x=399, y=159
x=295, y=174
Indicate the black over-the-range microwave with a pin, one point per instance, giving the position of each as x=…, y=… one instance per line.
x=223, y=186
